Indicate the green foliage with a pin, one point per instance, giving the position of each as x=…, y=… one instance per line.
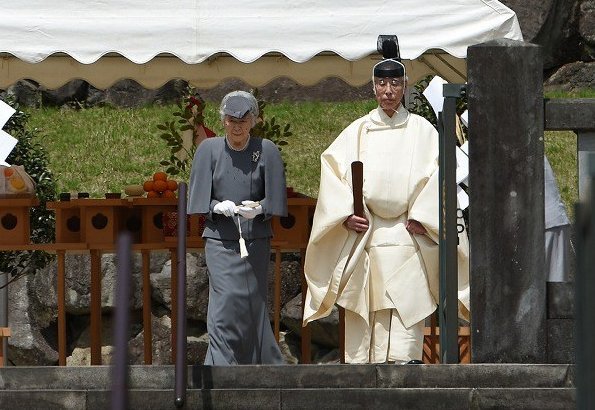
x=188, y=117
x=421, y=106
x=576, y=93
x=29, y=153
x=80, y=144
x=269, y=128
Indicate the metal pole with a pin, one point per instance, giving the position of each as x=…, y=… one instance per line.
x=584, y=290
x=181, y=370
x=120, y=366
x=4, y=312
x=448, y=304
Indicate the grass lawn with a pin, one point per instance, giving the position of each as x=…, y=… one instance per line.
x=99, y=150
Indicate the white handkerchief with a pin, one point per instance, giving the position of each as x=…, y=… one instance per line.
x=6, y=112
x=7, y=143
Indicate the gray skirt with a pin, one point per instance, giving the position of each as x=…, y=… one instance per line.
x=557, y=257
x=237, y=319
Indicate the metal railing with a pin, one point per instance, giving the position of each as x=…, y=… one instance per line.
x=448, y=235
x=181, y=342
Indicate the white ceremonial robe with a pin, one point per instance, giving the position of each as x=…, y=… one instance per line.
x=557, y=229
x=385, y=267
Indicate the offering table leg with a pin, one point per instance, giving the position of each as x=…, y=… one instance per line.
x=95, y=307
x=61, y=290
x=306, y=333
x=4, y=333
x=147, y=326
x=342, y=334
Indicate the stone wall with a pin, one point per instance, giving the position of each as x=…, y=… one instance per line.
x=33, y=312
x=566, y=31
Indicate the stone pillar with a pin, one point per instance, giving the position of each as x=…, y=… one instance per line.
x=506, y=220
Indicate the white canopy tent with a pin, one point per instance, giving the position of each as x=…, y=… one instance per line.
x=208, y=41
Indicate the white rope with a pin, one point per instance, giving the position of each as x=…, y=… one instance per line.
x=243, y=250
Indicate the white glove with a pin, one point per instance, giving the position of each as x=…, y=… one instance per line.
x=249, y=209
x=227, y=208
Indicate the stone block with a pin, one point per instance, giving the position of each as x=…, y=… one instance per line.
x=560, y=300
x=560, y=341
x=506, y=218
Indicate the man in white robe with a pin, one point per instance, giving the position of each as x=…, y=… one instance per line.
x=382, y=268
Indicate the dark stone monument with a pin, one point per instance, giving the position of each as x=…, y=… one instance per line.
x=506, y=220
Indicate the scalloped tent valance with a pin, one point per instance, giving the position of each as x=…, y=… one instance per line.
x=208, y=41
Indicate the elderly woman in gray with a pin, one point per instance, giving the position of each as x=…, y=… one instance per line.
x=238, y=183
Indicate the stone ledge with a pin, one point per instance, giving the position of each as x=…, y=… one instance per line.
x=456, y=398
x=296, y=377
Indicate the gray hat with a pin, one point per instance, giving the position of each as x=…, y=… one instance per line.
x=236, y=106
x=239, y=103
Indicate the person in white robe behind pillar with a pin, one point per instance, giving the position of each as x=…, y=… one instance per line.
x=557, y=230
x=383, y=267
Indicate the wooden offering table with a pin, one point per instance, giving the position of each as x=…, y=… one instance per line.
x=93, y=225
x=14, y=220
x=15, y=236
x=293, y=231
x=98, y=221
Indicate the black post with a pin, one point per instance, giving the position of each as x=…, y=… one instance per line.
x=506, y=216
x=448, y=304
x=584, y=291
x=120, y=366
x=181, y=370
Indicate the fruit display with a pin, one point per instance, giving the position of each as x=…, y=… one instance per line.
x=160, y=186
x=134, y=190
x=14, y=180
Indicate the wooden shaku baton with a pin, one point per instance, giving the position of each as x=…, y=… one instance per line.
x=357, y=182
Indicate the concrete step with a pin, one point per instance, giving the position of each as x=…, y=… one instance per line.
x=297, y=376
x=472, y=386
x=347, y=398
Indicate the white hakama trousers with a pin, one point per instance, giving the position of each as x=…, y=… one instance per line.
x=386, y=339
x=399, y=293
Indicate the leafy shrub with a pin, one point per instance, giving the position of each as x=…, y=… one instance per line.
x=269, y=129
x=422, y=107
x=31, y=155
x=190, y=115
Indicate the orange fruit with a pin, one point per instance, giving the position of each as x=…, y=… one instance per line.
x=17, y=183
x=8, y=172
x=148, y=186
x=172, y=185
x=152, y=194
x=159, y=176
x=160, y=186
x=169, y=194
